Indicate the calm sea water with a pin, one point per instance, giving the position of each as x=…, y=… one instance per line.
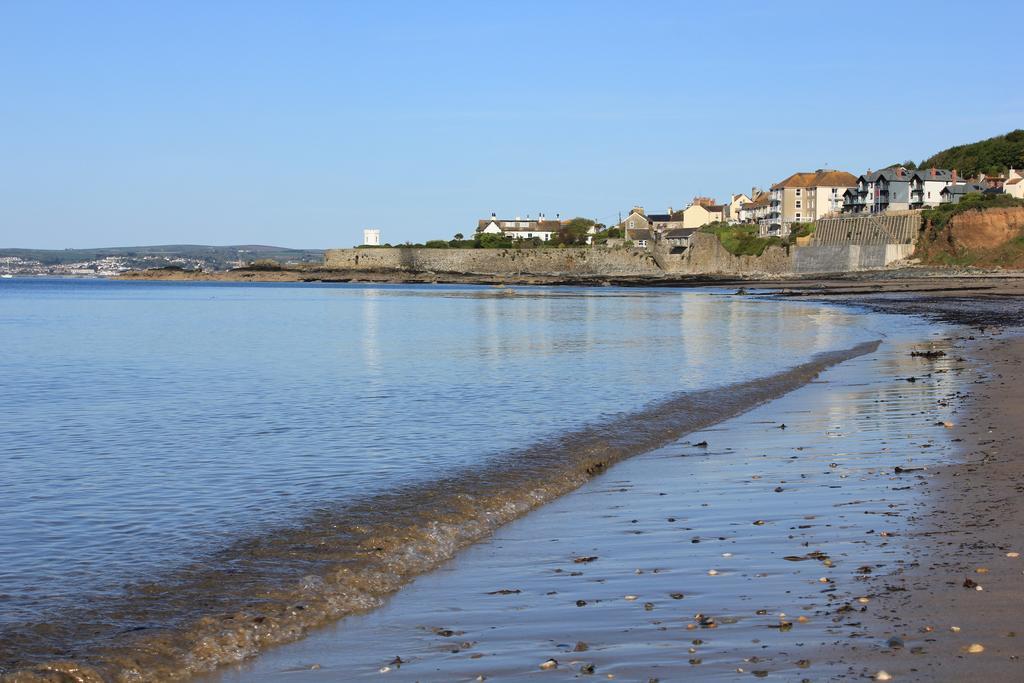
x=145, y=425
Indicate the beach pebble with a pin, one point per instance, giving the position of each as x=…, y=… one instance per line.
x=676, y=596
x=975, y=648
x=726, y=554
x=1013, y=555
x=895, y=643
x=630, y=598
x=384, y=669
x=587, y=669
x=581, y=647
x=954, y=629
x=882, y=676
x=712, y=572
x=549, y=664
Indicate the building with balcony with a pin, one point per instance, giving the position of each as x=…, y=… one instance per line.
x=804, y=198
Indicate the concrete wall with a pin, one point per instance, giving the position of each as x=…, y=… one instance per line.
x=570, y=261
x=840, y=258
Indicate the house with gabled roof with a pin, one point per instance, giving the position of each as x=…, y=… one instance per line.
x=1014, y=185
x=952, y=194
x=926, y=186
x=519, y=228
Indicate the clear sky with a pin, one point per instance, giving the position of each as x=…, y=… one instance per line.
x=300, y=123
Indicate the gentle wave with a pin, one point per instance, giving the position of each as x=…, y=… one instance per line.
x=274, y=588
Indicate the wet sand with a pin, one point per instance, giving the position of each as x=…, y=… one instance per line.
x=782, y=553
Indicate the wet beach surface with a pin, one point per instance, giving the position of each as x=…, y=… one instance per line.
x=744, y=550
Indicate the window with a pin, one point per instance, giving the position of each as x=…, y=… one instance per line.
x=798, y=203
x=631, y=224
x=798, y=192
x=798, y=215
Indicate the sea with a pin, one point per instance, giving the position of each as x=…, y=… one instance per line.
x=192, y=471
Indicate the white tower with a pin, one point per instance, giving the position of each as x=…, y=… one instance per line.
x=371, y=237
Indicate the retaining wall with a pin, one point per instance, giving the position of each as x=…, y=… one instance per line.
x=840, y=258
x=569, y=261
x=900, y=227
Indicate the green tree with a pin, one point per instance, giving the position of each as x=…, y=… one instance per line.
x=459, y=236
x=573, y=232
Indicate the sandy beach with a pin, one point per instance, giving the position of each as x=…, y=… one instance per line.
x=836, y=547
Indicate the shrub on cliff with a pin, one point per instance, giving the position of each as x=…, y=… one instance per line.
x=436, y=244
x=939, y=216
x=741, y=240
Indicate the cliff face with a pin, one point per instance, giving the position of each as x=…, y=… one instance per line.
x=985, y=238
x=988, y=229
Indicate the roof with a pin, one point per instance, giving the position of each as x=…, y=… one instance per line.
x=763, y=199
x=638, y=234
x=933, y=174
x=659, y=217
x=819, y=178
x=537, y=226
x=1014, y=181
x=963, y=189
x=679, y=233
x=716, y=208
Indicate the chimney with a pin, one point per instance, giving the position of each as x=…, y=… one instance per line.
x=934, y=172
x=493, y=216
x=953, y=175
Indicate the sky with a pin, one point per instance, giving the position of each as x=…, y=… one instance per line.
x=299, y=123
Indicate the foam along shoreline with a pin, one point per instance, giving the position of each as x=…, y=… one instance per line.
x=274, y=589
x=744, y=549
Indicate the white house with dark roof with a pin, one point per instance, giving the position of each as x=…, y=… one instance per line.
x=926, y=186
x=519, y=228
x=1014, y=185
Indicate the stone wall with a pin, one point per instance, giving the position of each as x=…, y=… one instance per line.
x=707, y=256
x=568, y=261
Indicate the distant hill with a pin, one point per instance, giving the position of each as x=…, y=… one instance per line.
x=991, y=156
x=216, y=257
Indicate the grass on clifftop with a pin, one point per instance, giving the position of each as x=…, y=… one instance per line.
x=939, y=216
x=937, y=245
x=741, y=240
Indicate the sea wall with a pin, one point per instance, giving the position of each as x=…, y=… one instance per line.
x=841, y=258
x=897, y=227
x=568, y=261
x=707, y=256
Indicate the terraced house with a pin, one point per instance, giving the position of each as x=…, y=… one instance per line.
x=803, y=198
x=898, y=189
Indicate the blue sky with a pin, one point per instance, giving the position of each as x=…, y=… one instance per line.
x=300, y=123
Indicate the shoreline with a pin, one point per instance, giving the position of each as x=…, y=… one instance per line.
x=908, y=616
x=632, y=564
x=930, y=278
x=357, y=560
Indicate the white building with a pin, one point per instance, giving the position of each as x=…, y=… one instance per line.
x=371, y=237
